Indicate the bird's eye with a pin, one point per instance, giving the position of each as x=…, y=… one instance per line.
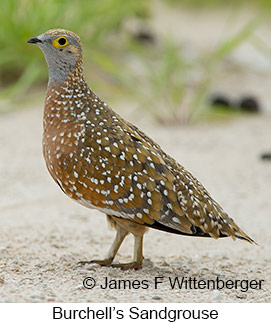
x=60, y=42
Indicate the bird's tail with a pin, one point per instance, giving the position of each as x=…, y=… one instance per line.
x=243, y=236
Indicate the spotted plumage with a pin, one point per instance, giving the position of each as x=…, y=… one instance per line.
x=104, y=162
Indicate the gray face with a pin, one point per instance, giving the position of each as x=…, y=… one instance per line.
x=61, y=52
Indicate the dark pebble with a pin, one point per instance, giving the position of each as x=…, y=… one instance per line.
x=221, y=100
x=144, y=36
x=249, y=104
x=266, y=156
x=157, y=298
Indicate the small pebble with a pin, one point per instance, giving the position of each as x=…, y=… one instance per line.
x=37, y=296
x=221, y=100
x=80, y=286
x=266, y=156
x=145, y=37
x=216, y=295
x=157, y=298
x=242, y=296
x=249, y=104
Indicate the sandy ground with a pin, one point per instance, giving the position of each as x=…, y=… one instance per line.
x=43, y=234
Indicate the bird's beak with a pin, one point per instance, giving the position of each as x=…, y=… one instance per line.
x=34, y=40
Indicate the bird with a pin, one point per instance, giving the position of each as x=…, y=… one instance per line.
x=104, y=162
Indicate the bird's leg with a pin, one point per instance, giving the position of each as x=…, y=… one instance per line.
x=121, y=234
x=138, y=256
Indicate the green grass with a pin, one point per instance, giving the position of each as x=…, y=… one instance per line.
x=162, y=83
x=95, y=21
x=167, y=88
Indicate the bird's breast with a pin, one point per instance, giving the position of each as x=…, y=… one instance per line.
x=72, y=164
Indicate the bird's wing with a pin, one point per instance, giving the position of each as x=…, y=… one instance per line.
x=143, y=184
x=199, y=208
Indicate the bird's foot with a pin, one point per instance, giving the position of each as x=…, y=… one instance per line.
x=129, y=265
x=102, y=262
x=108, y=262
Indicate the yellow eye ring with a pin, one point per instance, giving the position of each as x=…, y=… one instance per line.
x=60, y=42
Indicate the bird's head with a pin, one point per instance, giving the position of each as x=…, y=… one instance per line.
x=62, y=50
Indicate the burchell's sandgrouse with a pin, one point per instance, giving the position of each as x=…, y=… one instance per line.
x=104, y=162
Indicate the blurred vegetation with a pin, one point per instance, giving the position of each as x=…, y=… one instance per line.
x=178, y=98
x=158, y=75
x=94, y=21
x=218, y=3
